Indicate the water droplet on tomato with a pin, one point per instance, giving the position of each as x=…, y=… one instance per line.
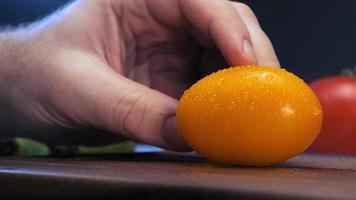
x=317, y=112
x=232, y=105
x=212, y=98
x=269, y=77
x=287, y=111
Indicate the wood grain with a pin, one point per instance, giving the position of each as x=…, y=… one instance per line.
x=175, y=176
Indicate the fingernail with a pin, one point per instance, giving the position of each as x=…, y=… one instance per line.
x=171, y=135
x=248, y=49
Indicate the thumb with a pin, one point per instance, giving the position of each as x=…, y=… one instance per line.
x=142, y=114
x=105, y=99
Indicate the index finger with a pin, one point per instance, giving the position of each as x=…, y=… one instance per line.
x=218, y=21
x=214, y=21
x=265, y=54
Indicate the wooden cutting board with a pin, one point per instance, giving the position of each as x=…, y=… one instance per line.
x=175, y=176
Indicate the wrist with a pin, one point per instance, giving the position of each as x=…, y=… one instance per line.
x=11, y=123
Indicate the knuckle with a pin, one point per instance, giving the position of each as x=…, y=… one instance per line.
x=136, y=116
x=121, y=111
x=114, y=113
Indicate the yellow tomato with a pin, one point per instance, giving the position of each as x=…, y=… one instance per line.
x=249, y=115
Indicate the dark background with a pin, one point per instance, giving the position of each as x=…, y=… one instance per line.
x=312, y=38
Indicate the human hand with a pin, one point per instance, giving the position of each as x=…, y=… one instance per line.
x=120, y=65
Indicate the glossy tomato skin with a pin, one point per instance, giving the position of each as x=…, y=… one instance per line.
x=249, y=115
x=337, y=96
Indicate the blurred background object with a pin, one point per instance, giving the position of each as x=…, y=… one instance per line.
x=312, y=38
x=14, y=12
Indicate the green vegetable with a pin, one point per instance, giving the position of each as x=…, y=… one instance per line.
x=28, y=147
x=124, y=147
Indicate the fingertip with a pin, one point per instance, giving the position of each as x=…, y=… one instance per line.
x=171, y=136
x=238, y=50
x=234, y=42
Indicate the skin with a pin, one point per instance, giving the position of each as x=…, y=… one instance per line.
x=101, y=69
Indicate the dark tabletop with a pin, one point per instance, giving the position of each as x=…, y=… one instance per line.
x=174, y=176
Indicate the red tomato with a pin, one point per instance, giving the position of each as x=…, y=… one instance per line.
x=337, y=96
